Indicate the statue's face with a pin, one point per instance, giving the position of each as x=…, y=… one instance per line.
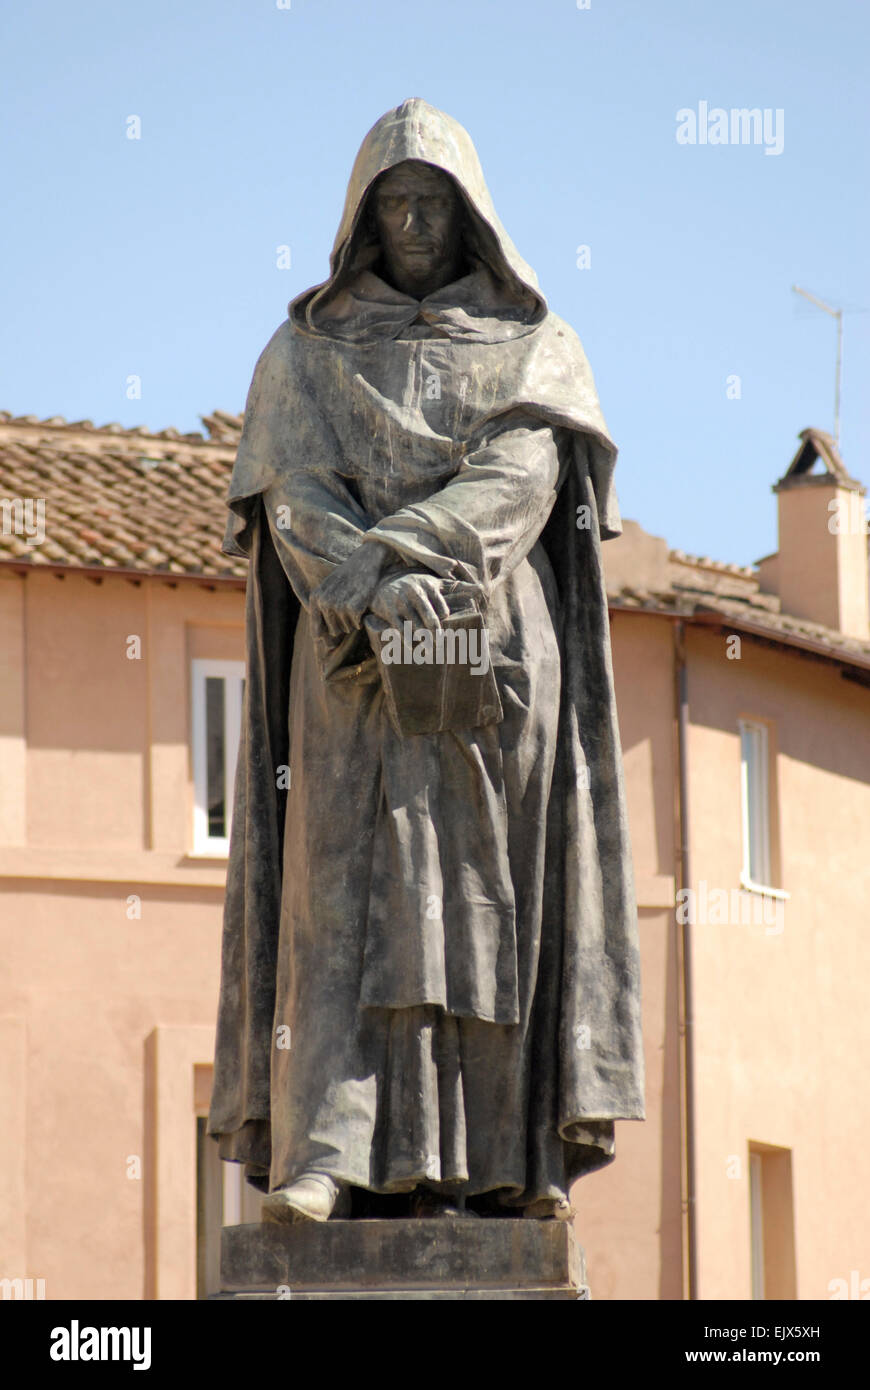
x=419, y=219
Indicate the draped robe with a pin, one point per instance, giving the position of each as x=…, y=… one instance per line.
x=442, y=925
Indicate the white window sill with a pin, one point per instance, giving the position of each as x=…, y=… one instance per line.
x=220, y=850
x=750, y=887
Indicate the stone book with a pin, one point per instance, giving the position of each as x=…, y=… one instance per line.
x=437, y=681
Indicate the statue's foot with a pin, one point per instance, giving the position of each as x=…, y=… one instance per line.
x=549, y=1209
x=313, y=1197
x=435, y=1204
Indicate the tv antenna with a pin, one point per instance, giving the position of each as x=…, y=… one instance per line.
x=838, y=315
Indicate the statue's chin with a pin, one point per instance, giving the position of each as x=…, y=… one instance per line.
x=420, y=281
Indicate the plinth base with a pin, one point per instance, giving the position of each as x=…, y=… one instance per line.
x=437, y=1258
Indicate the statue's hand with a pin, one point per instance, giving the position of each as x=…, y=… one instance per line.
x=415, y=598
x=345, y=595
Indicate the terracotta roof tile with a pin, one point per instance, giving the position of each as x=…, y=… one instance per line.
x=131, y=499
x=701, y=588
x=119, y=498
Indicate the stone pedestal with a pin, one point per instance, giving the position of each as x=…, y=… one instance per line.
x=399, y=1259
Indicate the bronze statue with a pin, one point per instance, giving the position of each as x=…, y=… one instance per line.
x=430, y=987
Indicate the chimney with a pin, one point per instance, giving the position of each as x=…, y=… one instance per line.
x=636, y=560
x=820, y=571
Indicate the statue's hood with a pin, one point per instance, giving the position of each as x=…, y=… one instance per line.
x=416, y=130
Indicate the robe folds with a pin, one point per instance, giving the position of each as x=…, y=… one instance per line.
x=441, y=925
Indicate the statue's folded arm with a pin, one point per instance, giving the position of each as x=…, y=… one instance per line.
x=478, y=527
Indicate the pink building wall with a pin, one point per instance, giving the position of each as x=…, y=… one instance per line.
x=106, y=1020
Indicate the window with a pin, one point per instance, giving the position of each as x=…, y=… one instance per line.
x=223, y=1198
x=218, y=691
x=756, y=806
x=761, y=862
x=771, y=1223
x=756, y=1225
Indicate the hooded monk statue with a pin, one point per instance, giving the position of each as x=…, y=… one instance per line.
x=430, y=996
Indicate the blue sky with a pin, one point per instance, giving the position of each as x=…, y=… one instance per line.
x=157, y=257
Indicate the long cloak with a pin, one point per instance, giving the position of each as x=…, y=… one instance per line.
x=442, y=927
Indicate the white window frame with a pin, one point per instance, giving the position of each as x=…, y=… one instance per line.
x=242, y=1203
x=223, y=1198
x=756, y=1224
x=233, y=674
x=755, y=808
x=754, y=801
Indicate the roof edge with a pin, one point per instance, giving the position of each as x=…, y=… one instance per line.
x=840, y=656
x=202, y=577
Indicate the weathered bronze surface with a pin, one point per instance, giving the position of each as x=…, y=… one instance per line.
x=430, y=964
